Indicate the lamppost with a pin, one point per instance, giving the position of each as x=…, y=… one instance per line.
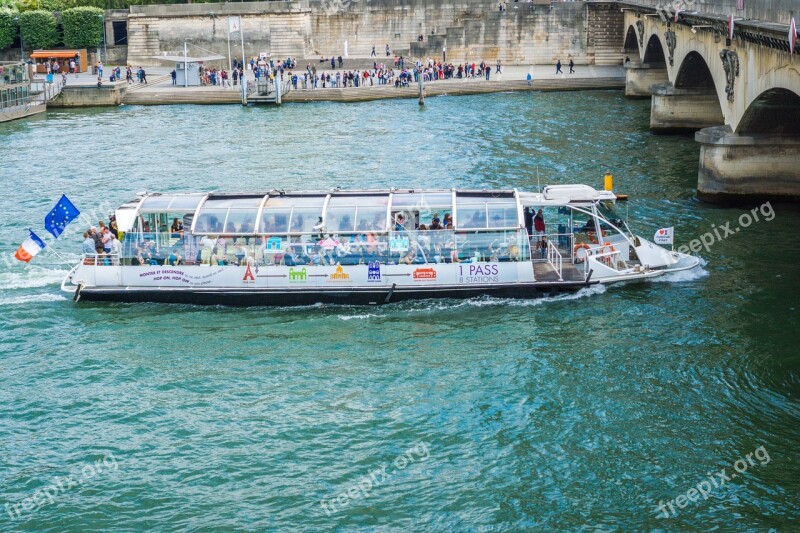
x=105, y=49
x=21, y=53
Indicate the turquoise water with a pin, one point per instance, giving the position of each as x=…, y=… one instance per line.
x=573, y=412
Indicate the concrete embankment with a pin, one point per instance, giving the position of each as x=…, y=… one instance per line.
x=109, y=94
x=165, y=94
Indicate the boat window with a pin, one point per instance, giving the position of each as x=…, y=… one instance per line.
x=304, y=219
x=503, y=215
x=211, y=221
x=471, y=216
x=420, y=209
x=356, y=213
x=371, y=219
x=156, y=203
x=228, y=215
x=481, y=211
x=185, y=203
x=291, y=214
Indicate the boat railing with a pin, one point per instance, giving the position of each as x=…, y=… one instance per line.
x=610, y=258
x=555, y=259
x=103, y=259
x=561, y=241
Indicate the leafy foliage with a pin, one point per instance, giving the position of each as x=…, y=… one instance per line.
x=8, y=28
x=38, y=29
x=83, y=27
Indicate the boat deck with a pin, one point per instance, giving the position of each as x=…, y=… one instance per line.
x=544, y=271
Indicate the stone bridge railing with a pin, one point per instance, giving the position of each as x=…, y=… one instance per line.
x=777, y=11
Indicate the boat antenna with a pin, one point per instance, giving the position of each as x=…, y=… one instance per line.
x=538, y=186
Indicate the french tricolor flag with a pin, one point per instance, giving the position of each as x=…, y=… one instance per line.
x=792, y=35
x=28, y=249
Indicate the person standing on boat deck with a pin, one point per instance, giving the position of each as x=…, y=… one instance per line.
x=115, y=248
x=538, y=223
x=106, y=239
x=88, y=244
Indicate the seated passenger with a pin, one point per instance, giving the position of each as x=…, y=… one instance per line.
x=177, y=226
x=173, y=258
x=409, y=258
x=240, y=253
x=399, y=222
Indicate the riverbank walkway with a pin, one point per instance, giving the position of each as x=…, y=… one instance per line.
x=160, y=91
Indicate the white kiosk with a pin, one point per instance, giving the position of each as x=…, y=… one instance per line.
x=187, y=68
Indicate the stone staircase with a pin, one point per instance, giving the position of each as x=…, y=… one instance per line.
x=605, y=33
x=142, y=43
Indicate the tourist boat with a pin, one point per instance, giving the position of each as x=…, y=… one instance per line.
x=367, y=247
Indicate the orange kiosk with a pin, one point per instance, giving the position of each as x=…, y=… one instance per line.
x=40, y=57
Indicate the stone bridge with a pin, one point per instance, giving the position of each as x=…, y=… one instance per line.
x=742, y=94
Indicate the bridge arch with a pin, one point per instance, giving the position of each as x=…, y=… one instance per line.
x=631, y=46
x=694, y=73
x=775, y=111
x=654, y=51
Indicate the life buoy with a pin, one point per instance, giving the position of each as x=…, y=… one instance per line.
x=607, y=248
x=581, y=246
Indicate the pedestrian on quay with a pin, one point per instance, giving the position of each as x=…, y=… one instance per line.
x=129, y=74
x=174, y=76
x=488, y=70
x=388, y=53
x=373, y=54
x=333, y=63
x=529, y=78
x=558, y=67
x=571, y=66
x=235, y=76
x=498, y=66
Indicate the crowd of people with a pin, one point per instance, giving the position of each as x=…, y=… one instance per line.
x=101, y=243
x=400, y=75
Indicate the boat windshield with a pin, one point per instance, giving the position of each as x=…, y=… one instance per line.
x=609, y=212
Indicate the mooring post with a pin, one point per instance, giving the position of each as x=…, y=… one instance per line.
x=421, y=89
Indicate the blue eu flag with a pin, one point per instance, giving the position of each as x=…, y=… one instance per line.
x=60, y=216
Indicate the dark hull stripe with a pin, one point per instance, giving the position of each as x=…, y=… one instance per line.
x=354, y=296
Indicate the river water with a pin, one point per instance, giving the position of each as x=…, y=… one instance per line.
x=572, y=412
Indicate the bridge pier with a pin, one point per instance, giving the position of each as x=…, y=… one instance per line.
x=674, y=109
x=640, y=77
x=746, y=168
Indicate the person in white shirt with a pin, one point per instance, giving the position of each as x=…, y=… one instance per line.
x=116, y=247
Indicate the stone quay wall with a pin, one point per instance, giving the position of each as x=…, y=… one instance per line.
x=474, y=30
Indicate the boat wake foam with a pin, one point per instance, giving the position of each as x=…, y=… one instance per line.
x=31, y=298
x=425, y=306
x=31, y=278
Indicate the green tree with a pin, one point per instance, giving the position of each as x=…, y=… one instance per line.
x=83, y=27
x=38, y=29
x=8, y=28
